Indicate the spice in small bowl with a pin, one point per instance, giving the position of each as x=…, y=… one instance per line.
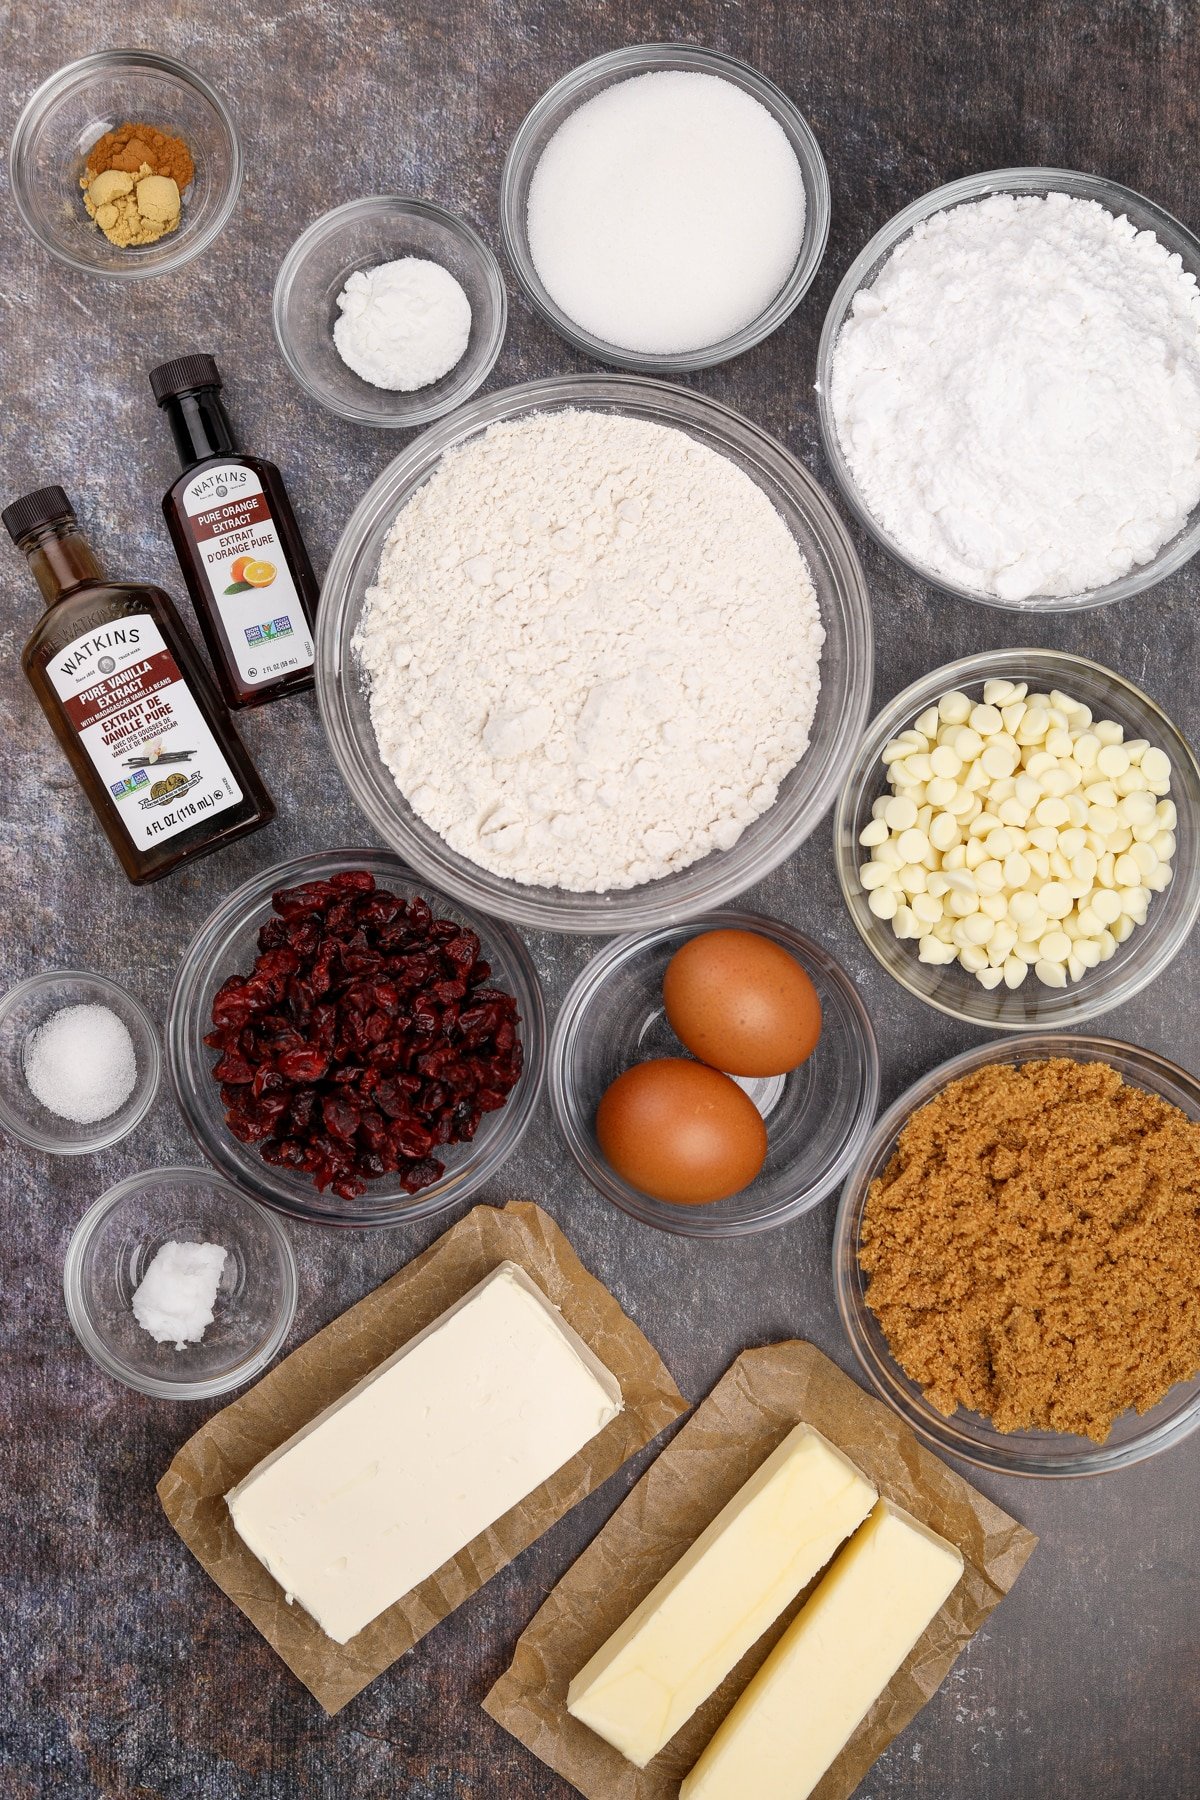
x=134, y=181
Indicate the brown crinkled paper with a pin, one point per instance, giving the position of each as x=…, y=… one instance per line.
x=234, y=1441
x=753, y=1406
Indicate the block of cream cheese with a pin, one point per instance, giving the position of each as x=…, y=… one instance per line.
x=426, y=1452
x=831, y=1664
x=776, y=1533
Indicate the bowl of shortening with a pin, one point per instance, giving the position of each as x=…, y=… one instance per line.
x=67, y=116
x=179, y=1285
x=1036, y=1250
x=1039, y=861
x=390, y=311
x=79, y=1062
x=365, y=1002
x=816, y=1115
x=594, y=654
x=1008, y=386
x=665, y=207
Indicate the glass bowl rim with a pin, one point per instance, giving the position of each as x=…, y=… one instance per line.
x=75, y=74
x=699, y=1221
x=640, y=59
x=933, y=1428
x=106, y=1134
x=79, y=1314
x=676, y=407
x=408, y=206
x=1058, y=1009
x=264, y=1185
x=1115, y=197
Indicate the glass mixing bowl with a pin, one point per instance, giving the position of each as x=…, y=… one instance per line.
x=116, y=1241
x=360, y=235
x=1137, y=962
x=1134, y=1436
x=63, y=119
x=865, y=268
x=846, y=662
x=27, y=1007
x=584, y=84
x=817, y=1117
x=226, y=944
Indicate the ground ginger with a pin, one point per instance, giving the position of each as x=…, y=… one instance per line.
x=1033, y=1248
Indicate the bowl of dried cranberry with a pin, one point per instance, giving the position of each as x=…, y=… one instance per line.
x=351, y=1047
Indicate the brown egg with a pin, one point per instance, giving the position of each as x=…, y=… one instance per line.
x=681, y=1132
x=742, y=1003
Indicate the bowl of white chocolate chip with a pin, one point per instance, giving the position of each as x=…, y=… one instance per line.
x=1017, y=839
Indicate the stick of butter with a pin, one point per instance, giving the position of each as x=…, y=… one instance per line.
x=426, y=1452
x=739, y=1575
x=831, y=1665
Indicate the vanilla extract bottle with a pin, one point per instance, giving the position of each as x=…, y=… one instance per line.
x=238, y=544
x=131, y=703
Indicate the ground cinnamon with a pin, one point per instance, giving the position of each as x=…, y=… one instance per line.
x=1033, y=1248
x=132, y=147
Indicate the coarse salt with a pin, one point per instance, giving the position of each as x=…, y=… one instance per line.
x=81, y=1064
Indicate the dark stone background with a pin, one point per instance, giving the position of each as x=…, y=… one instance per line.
x=128, y=1674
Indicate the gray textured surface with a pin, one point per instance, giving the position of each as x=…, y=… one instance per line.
x=129, y=1675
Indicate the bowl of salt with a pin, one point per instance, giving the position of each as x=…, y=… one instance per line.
x=79, y=1062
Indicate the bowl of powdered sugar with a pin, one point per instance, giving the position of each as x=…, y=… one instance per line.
x=594, y=654
x=1009, y=389
x=79, y=1062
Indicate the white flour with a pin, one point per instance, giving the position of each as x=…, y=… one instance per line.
x=592, y=652
x=1018, y=395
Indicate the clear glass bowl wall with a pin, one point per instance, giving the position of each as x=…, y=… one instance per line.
x=862, y=273
x=583, y=84
x=1134, y=1436
x=804, y=795
x=817, y=1117
x=227, y=944
x=1140, y=960
x=68, y=113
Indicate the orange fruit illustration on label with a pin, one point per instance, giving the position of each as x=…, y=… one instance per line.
x=239, y=566
x=258, y=574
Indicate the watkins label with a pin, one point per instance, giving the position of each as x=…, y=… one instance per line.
x=140, y=725
x=252, y=588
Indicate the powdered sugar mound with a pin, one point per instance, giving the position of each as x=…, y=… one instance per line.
x=592, y=651
x=1018, y=395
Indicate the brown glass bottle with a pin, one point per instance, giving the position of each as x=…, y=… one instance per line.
x=238, y=544
x=131, y=703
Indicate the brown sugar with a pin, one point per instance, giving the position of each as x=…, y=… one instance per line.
x=1033, y=1247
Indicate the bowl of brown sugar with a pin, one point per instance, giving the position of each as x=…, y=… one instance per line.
x=125, y=164
x=1017, y=1255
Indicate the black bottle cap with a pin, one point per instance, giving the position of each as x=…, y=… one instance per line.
x=45, y=506
x=184, y=376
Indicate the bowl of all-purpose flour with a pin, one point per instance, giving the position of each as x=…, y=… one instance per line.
x=1009, y=389
x=594, y=654
x=390, y=311
x=179, y=1285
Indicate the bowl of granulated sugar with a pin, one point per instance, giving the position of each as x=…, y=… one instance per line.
x=79, y=1062
x=665, y=207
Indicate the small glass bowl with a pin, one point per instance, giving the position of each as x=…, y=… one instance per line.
x=804, y=794
x=227, y=943
x=1134, y=1436
x=118, y=1238
x=1142, y=213
x=361, y=235
x=817, y=1117
x=583, y=84
x=69, y=112
x=1138, y=961
x=28, y=1006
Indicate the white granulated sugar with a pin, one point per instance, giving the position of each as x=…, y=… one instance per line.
x=1018, y=395
x=403, y=325
x=592, y=651
x=667, y=212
